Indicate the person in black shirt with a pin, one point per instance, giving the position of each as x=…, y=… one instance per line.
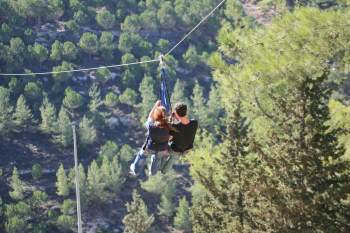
x=182, y=134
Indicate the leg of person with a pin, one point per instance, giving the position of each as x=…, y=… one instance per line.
x=169, y=161
x=139, y=163
x=156, y=161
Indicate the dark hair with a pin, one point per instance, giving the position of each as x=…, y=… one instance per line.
x=181, y=109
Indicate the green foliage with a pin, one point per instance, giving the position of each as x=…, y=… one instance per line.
x=158, y=183
x=179, y=94
x=137, y=220
x=56, y=51
x=32, y=92
x=66, y=222
x=72, y=99
x=148, y=96
x=16, y=185
x=182, y=218
x=17, y=216
x=191, y=57
x=87, y=132
x=64, y=129
x=166, y=206
x=23, y=117
x=5, y=112
x=62, y=184
x=129, y=97
x=107, y=45
x=69, y=51
x=105, y=19
x=37, y=171
x=103, y=74
x=285, y=183
x=95, y=184
x=95, y=98
x=199, y=109
x=126, y=154
x=89, y=43
x=111, y=100
x=48, y=117
x=113, y=175
x=39, y=53
x=109, y=150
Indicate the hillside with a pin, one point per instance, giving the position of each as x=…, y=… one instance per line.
x=266, y=80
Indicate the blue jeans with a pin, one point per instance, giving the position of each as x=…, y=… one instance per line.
x=140, y=161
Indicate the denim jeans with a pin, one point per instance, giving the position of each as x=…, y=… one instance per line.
x=140, y=161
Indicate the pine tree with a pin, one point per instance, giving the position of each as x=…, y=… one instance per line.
x=182, y=218
x=62, y=184
x=87, y=132
x=5, y=112
x=137, y=220
x=64, y=130
x=95, y=98
x=96, y=184
x=48, y=117
x=179, y=94
x=214, y=108
x=23, y=117
x=112, y=173
x=166, y=207
x=148, y=96
x=285, y=89
x=17, y=186
x=199, y=105
x=72, y=99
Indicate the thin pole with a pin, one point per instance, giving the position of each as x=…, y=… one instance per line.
x=77, y=191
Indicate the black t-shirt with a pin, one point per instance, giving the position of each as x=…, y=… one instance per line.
x=184, y=135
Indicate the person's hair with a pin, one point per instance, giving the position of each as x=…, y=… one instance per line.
x=160, y=118
x=181, y=109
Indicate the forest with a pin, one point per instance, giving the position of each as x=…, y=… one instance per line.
x=267, y=80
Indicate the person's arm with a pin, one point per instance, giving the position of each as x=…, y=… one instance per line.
x=157, y=104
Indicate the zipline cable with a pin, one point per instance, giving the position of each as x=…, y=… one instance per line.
x=195, y=27
x=78, y=70
x=120, y=65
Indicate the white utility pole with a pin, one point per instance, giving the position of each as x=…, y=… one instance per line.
x=77, y=191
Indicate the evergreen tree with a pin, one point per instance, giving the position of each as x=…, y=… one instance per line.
x=17, y=217
x=5, y=112
x=111, y=100
x=166, y=207
x=72, y=99
x=70, y=51
x=179, y=94
x=96, y=184
x=200, y=111
x=16, y=185
x=182, y=220
x=87, y=132
x=89, y=43
x=95, y=98
x=62, y=184
x=65, y=133
x=48, y=117
x=148, y=96
x=137, y=220
x=56, y=51
x=107, y=45
x=23, y=117
x=113, y=174
x=302, y=179
x=105, y=19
